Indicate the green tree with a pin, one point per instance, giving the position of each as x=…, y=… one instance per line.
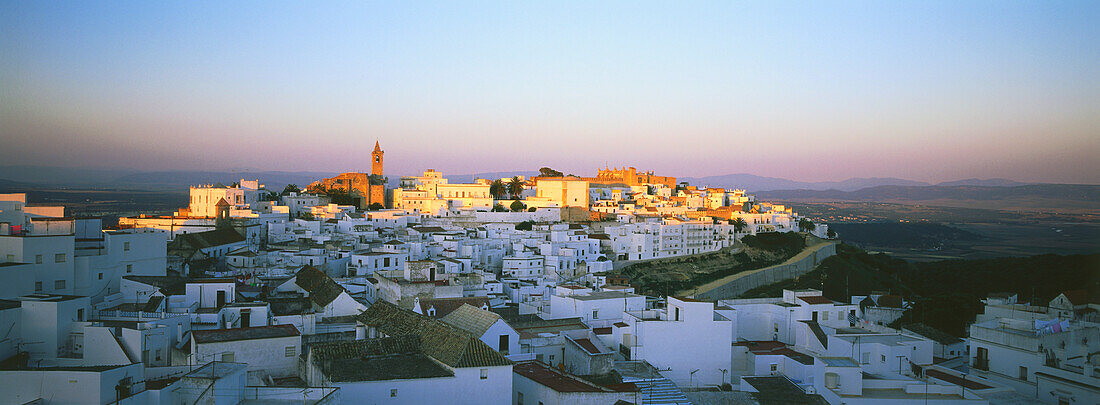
x=532, y=209
x=499, y=208
x=291, y=188
x=548, y=172
x=525, y=225
x=341, y=197
x=806, y=225
x=831, y=234
x=515, y=187
x=498, y=189
x=306, y=216
x=739, y=225
x=376, y=206
x=517, y=206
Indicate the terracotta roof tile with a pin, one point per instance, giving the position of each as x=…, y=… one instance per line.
x=445, y=343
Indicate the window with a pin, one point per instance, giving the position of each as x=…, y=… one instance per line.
x=10, y=258
x=59, y=258
x=865, y=358
x=595, y=314
x=393, y=393
x=38, y=286
x=228, y=357
x=37, y=259
x=290, y=351
x=484, y=374
x=129, y=268
x=825, y=315
x=100, y=276
x=157, y=354
x=519, y=398
x=80, y=314
x=59, y=284
x=1023, y=373
x=884, y=358
x=126, y=246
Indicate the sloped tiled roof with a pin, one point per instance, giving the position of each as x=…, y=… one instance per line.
x=445, y=343
x=389, y=358
x=929, y=332
x=471, y=319
x=217, y=237
x=444, y=306
x=321, y=288
x=290, y=306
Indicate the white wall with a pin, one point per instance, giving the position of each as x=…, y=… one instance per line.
x=466, y=387
x=263, y=356
x=65, y=387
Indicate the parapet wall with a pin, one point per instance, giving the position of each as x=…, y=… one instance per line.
x=798, y=265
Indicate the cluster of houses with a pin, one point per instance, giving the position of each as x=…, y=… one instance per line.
x=247, y=296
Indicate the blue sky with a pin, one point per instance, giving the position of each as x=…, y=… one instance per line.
x=922, y=90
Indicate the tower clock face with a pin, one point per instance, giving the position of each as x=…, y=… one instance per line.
x=377, y=159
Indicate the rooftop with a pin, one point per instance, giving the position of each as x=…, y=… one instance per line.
x=450, y=345
x=603, y=295
x=390, y=358
x=838, y=362
x=815, y=300
x=321, y=288
x=934, y=334
x=258, y=332
x=554, y=379
x=471, y=319
x=444, y=306
x=889, y=340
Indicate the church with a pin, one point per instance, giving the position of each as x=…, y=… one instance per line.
x=365, y=189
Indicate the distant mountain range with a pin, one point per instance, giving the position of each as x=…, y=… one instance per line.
x=1072, y=192
x=1049, y=198
x=129, y=178
x=754, y=183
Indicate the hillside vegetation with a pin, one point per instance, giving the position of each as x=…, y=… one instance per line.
x=666, y=276
x=946, y=294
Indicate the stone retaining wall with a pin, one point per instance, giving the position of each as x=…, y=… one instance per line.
x=798, y=265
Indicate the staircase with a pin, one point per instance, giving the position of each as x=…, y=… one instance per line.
x=661, y=391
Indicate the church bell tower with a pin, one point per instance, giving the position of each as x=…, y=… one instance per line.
x=376, y=160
